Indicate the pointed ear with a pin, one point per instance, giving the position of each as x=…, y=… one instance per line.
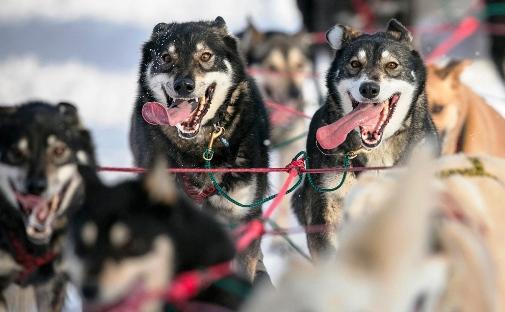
x=453, y=69
x=400, y=32
x=338, y=35
x=251, y=37
x=160, y=186
x=70, y=114
x=160, y=28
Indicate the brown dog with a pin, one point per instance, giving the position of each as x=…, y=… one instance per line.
x=466, y=123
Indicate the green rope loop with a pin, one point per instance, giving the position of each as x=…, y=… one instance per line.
x=254, y=204
x=347, y=163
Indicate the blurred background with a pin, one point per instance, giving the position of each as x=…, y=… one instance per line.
x=87, y=52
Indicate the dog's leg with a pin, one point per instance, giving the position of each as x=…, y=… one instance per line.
x=247, y=260
x=51, y=295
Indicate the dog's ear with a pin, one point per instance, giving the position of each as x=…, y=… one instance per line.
x=70, y=114
x=400, y=32
x=160, y=186
x=160, y=28
x=338, y=35
x=250, y=38
x=453, y=69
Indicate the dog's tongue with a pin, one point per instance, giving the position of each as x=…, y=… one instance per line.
x=156, y=113
x=365, y=115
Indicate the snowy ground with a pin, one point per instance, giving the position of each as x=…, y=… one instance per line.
x=87, y=52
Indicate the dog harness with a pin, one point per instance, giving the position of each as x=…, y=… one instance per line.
x=477, y=170
x=195, y=193
x=28, y=261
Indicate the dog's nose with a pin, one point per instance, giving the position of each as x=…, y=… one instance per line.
x=369, y=90
x=184, y=86
x=294, y=92
x=36, y=186
x=89, y=291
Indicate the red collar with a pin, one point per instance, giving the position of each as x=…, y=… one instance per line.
x=195, y=193
x=28, y=261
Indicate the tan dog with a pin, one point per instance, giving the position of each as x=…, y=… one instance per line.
x=466, y=123
x=437, y=246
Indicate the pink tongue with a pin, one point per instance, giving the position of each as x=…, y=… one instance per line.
x=331, y=136
x=156, y=113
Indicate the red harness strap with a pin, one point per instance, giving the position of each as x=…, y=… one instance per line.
x=197, y=194
x=29, y=262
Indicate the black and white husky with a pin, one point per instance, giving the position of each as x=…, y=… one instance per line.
x=376, y=109
x=194, y=81
x=41, y=146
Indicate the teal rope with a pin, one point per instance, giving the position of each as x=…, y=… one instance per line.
x=208, y=157
x=318, y=189
x=289, y=240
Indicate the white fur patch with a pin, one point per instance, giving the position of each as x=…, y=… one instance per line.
x=335, y=36
x=154, y=269
x=119, y=235
x=51, y=139
x=223, y=82
x=171, y=48
x=157, y=82
x=23, y=144
x=385, y=54
x=413, y=74
x=82, y=157
x=200, y=46
x=362, y=56
x=89, y=233
x=14, y=175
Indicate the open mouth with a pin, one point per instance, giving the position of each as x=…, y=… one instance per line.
x=371, y=118
x=39, y=213
x=371, y=130
x=186, y=114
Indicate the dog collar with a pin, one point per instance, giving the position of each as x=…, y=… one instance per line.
x=195, y=193
x=28, y=261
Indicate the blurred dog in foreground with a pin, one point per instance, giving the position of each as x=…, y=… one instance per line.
x=437, y=247
x=466, y=123
x=131, y=239
x=41, y=146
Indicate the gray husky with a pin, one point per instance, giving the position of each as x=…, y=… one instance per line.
x=376, y=112
x=195, y=74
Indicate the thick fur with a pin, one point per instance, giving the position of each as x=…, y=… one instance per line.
x=421, y=251
x=140, y=232
x=284, y=65
x=237, y=106
x=465, y=122
x=409, y=125
x=41, y=146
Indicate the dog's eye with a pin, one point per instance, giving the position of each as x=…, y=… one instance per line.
x=59, y=154
x=205, y=57
x=437, y=109
x=167, y=58
x=392, y=65
x=355, y=64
